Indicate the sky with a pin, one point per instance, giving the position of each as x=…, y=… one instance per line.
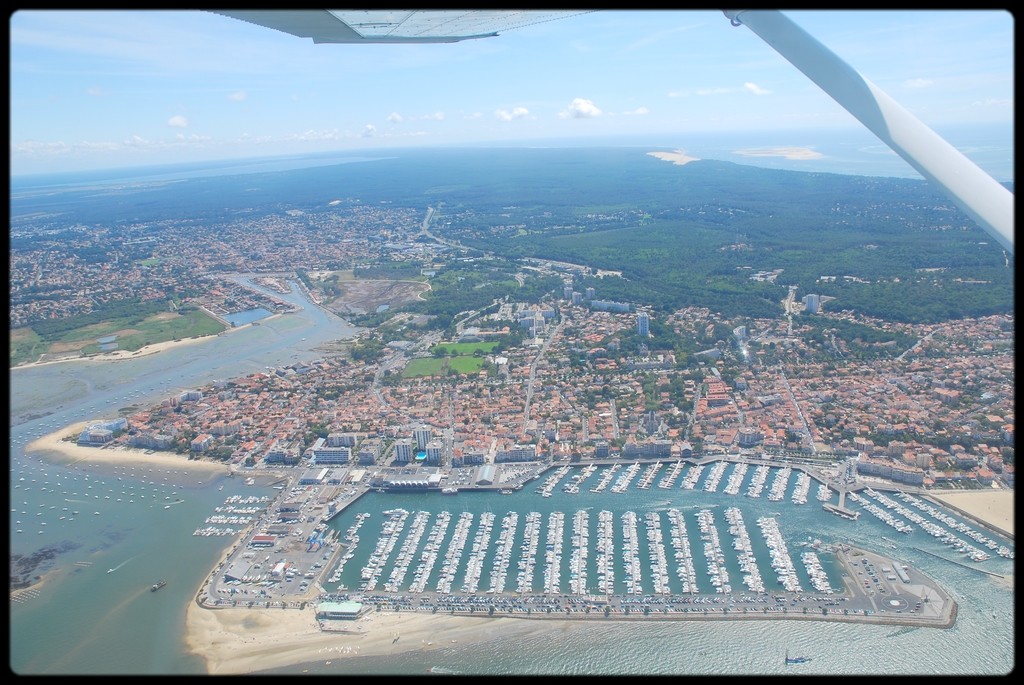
x=109, y=89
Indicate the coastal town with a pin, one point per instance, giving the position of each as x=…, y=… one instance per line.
x=564, y=396
x=563, y=401
x=566, y=373
x=558, y=388
x=943, y=416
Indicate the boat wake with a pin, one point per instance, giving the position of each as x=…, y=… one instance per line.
x=111, y=570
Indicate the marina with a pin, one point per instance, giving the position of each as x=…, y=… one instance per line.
x=689, y=556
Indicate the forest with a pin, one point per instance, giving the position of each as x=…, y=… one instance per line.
x=697, y=234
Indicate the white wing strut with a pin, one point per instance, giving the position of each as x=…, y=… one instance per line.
x=975, y=192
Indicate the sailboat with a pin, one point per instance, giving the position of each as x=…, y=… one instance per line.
x=796, y=659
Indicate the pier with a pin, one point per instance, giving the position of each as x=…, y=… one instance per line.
x=959, y=563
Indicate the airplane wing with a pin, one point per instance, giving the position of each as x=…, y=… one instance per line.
x=980, y=196
x=394, y=26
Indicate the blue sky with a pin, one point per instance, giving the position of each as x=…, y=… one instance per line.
x=108, y=89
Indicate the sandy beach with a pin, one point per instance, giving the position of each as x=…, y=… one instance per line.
x=678, y=157
x=236, y=641
x=71, y=453
x=994, y=507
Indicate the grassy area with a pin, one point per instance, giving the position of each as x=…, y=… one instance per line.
x=459, y=358
x=424, y=367
x=466, y=364
x=164, y=327
x=25, y=346
x=457, y=349
x=152, y=261
x=432, y=366
x=92, y=331
x=132, y=334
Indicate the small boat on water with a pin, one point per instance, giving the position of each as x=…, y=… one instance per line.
x=157, y=585
x=796, y=659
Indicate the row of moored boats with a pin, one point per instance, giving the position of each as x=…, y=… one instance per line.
x=418, y=547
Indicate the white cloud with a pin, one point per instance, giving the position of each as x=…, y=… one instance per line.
x=436, y=116
x=370, y=131
x=136, y=141
x=32, y=147
x=96, y=91
x=238, y=96
x=311, y=135
x=395, y=118
x=918, y=83
x=756, y=89
x=177, y=121
x=191, y=138
x=93, y=146
x=581, y=108
x=474, y=115
x=514, y=113
x=992, y=102
x=639, y=110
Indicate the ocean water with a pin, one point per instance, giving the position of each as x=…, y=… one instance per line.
x=83, y=619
